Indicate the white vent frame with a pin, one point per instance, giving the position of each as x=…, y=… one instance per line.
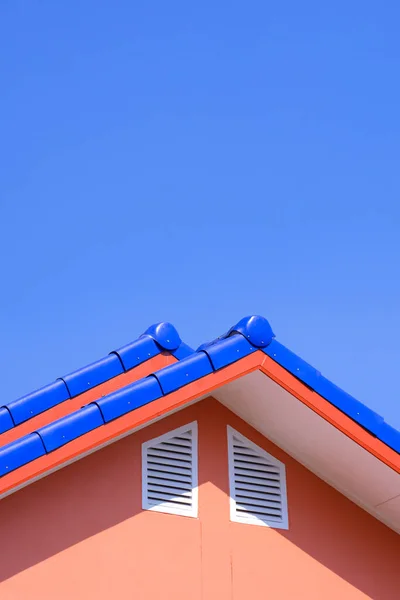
x=169, y=507
x=281, y=522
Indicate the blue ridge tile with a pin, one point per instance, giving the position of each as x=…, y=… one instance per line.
x=37, y=402
x=291, y=362
x=165, y=335
x=255, y=329
x=357, y=411
x=94, y=374
x=189, y=369
x=227, y=351
x=137, y=352
x=70, y=427
x=133, y=396
x=182, y=352
x=20, y=453
x=6, y=421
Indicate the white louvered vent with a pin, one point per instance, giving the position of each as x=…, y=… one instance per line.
x=257, y=484
x=169, y=465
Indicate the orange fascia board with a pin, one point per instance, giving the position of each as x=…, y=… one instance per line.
x=177, y=400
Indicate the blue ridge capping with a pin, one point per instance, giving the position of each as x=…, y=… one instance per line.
x=189, y=369
x=255, y=329
x=182, y=352
x=6, y=421
x=353, y=408
x=20, y=452
x=69, y=428
x=37, y=402
x=206, y=345
x=227, y=351
x=133, y=396
x=291, y=362
x=137, y=352
x=88, y=377
x=165, y=335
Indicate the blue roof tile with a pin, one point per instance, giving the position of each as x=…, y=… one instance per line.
x=165, y=335
x=183, y=351
x=137, y=352
x=92, y=375
x=255, y=329
x=360, y=413
x=189, y=369
x=291, y=362
x=132, y=396
x=33, y=404
x=6, y=421
x=20, y=452
x=69, y=428
x=227, y=351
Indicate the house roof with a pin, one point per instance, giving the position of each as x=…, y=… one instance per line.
x=155, y=375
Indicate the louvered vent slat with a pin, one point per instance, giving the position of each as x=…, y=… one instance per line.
x=257, y=472
x=249, y=484
x=182, y=456
x=176, y=487
x=164, y=468
x=262, y=496
x=258, y=518
x=269, y=484
x=158, y=495
x=262, y=503
x=179, y=447
x=179, y=483
x=170, y=472
x=257, y=483
x=170, y=462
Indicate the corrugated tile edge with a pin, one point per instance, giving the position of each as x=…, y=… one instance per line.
x=249, y=335
x=159, y=338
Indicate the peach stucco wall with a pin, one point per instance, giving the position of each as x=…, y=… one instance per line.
x=80, y=533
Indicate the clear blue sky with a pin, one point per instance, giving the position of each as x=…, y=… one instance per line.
x=198, y=162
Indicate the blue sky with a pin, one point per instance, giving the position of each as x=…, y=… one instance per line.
x=198, y=162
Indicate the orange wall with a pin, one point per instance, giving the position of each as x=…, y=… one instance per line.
x=81, y=534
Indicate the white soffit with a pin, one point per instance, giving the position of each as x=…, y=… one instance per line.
x=316, y=444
